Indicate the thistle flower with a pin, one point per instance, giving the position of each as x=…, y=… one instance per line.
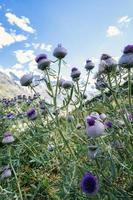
x=10, y=116
x=78, y=126
x=95, y=115
x=26, y=79
x=108, y=124
x=61, y=82
x=75, y=73
x=42, y=61
x=107, y=64
x=103, y=116
x=94, y=127
x=8, y=138
x=32, y=114
x=89, y=184
x=67, y=84
x=51, y=147
x=92, y=152
x=5, y=172
x=100, y=84
x=126, y=60
x=60, y=52
x=70, y=118
x=89, y=65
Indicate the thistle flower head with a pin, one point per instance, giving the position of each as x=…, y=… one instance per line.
x=128, y=49
x=89, y=65
x=32, y=114
x=26, y=79
x=40, y=57
x=126, y=60
x=89, y=184
x=8, y=138
x=60, y=52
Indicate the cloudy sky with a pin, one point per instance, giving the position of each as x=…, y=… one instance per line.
x=87, y=28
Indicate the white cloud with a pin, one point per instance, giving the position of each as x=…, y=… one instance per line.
x=7, y=38
x=24, y=56
x=0, y=7
x=124, y=20
x=39, y=46
x=22, y=22
x=113, y=31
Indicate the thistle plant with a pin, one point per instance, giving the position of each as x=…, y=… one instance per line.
x=72, y=147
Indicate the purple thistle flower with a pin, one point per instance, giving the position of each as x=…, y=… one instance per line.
x=126, y=60
x=75, y=73
x=89, y=65
x=90, y=121
x=8, y=138
x=89, y=184
x=60, y=52
x=10, y=116
x=105, y=56
x=6, y=172
x=31, y=114
x=109, y=124
x=128, y=49
x=40, y=57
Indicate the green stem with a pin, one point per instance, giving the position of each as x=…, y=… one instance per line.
x=57, y=84
x=19, y=189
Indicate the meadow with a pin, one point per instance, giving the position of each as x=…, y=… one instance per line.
x=75, y=149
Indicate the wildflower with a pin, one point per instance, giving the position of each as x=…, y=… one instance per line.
x=89, y=65
x=61, y=82
x=103, y=116
x=26, y=79
x=126, y=60
x=50, y=147
x=67, y=84
x=42, y=61
x=100, y=84
x=92, y=153
x=70, y=118
x=94, y=127
x=5, y=172
x=10, y=116
x=8, y=138
x=75, y=73
x=60, y=52
x=32, y=114
x=78, y=126
x=89, y=184
x=108, y=124
x=107, y=64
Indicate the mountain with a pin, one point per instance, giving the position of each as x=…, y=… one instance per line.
x=9, y=88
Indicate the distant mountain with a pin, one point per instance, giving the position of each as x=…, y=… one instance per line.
x=9, y=88
x=13, y=76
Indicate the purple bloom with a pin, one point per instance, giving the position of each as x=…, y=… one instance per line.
x=31, y=114
x=126, y=60
x=60, y=52
x=10, y=116
x=89, y=65
x=26, y=79
x=109, y=124
x=40, y=57
x=6, y=172
x=90, y=121
x=67, y=84
x=8, y=138
x=89, y=184
x=75, y=73
x=105, y=56
x=128, y=49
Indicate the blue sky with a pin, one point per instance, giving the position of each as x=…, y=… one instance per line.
x=87, y=28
